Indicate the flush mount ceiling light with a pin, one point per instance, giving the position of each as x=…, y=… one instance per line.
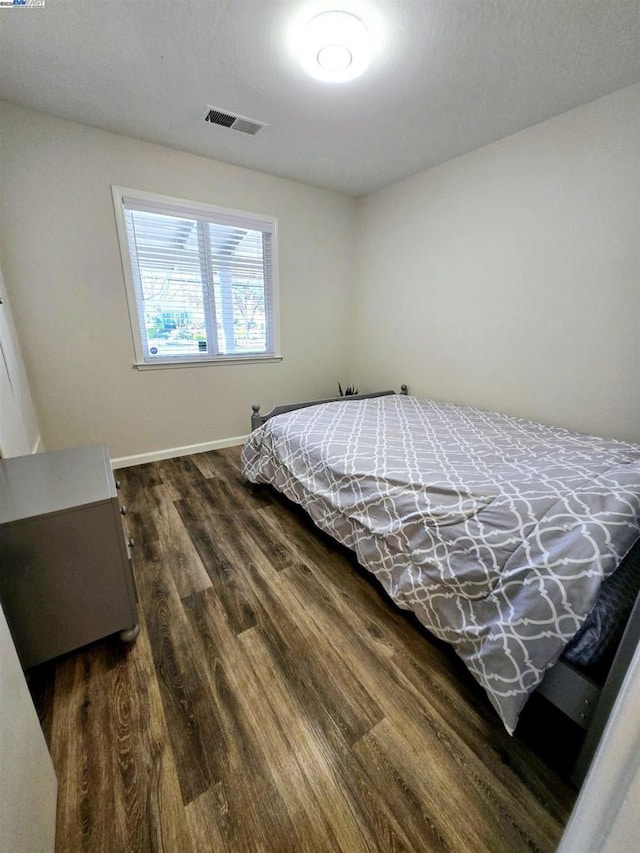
x=335, y=46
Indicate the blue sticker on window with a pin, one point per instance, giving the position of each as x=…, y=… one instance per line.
x=154, y=350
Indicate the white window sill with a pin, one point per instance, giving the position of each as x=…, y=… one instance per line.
x=206, y=362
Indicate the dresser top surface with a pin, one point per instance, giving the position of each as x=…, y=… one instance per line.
x=45, y=483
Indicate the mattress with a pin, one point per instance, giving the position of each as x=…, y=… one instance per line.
x=496, y=532
x=593, y=647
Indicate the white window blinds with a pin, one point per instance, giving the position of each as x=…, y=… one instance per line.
x=202, y=280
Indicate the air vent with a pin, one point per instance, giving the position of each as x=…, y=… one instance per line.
x=212, y=115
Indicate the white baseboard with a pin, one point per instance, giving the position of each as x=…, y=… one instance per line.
x=172, y=452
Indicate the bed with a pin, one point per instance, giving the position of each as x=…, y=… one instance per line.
x=499, y=534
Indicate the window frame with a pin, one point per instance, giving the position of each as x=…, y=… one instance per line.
x=226, y=215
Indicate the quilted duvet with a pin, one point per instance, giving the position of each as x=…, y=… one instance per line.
x=496, y=532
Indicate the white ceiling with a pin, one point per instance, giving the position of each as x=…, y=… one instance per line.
x=448, y=76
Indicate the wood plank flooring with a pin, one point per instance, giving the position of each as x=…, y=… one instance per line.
x=275, y=700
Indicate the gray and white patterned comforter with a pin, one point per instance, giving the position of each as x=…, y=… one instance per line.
x=496, y=532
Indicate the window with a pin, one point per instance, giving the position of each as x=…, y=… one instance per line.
x=201, y=280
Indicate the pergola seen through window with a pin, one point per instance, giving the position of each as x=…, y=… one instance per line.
x=202, y=280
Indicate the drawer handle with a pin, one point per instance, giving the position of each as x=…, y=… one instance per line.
x=123, y=510
x=131, y=543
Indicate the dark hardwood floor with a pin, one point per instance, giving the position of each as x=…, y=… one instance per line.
x=275, y=700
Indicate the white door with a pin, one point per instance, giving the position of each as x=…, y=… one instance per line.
x=28, y=784
x=19, y=433
x=13, y=437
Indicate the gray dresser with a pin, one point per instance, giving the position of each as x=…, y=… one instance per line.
x=65, y=573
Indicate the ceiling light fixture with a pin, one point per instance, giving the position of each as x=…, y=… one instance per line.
x=335, y=47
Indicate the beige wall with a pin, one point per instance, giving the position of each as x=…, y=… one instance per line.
x=509, y=278
x=63, y=272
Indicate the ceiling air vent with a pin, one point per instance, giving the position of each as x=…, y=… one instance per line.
x=212, y=115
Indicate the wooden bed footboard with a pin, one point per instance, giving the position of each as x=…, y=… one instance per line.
x=257, y=419
x=584, y=701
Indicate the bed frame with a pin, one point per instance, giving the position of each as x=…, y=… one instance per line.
x=585, y=701
x=257, y=419
x=573, y=692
